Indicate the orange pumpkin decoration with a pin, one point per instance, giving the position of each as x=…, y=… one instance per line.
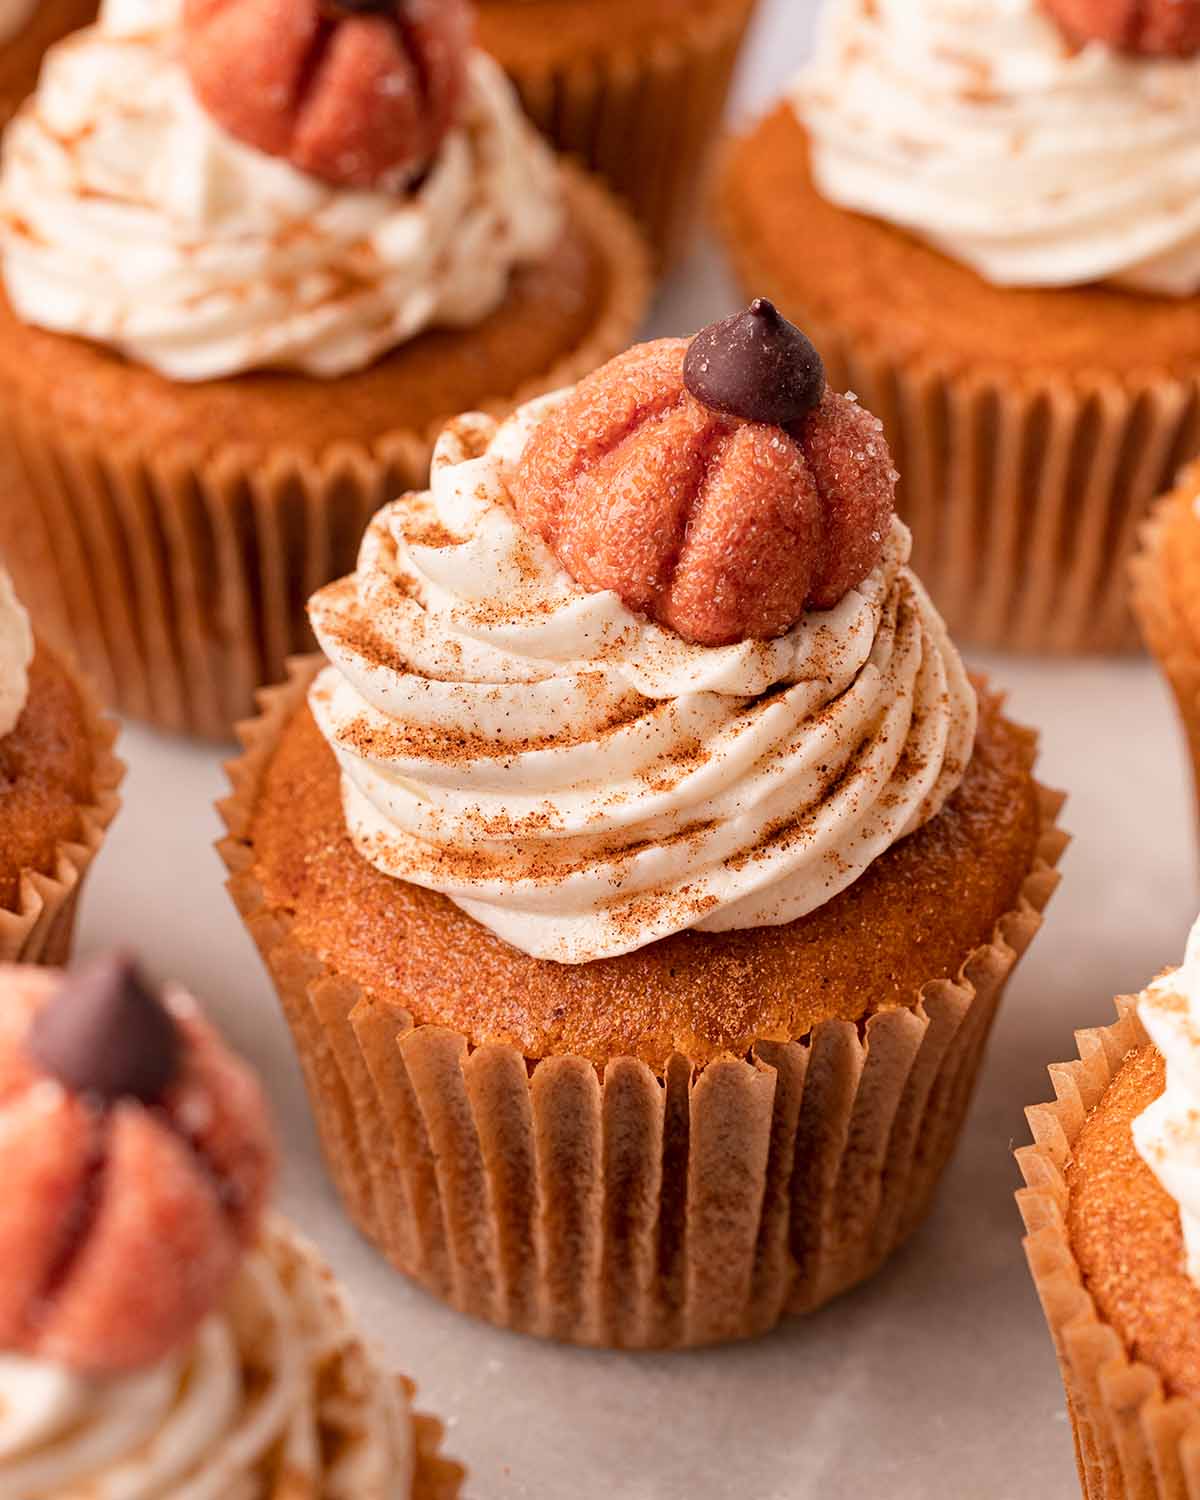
x=719, y=487
x=359, y=93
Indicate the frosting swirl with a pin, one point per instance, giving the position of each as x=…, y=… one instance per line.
x=16, y=653
x=1167, y=1135
x=583, y=781
x=14, y=16
x=129, y=217
x=220, y=1421
x=975, y=125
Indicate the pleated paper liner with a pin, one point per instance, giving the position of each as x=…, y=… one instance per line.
x=360, y=1406
x=181, y=577
x=1132, y=1441
x=1025, y=494
x=644, y=117
x=42, y=927
x=1167, y=635
x=621, y=1208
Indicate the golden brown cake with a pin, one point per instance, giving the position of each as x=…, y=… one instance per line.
x=58, y=794
x=633, y=88
x=21, y=53
x=658, y=1061
x=1165, y=576
x=1107, y=1246
x=176, y=496
x=1033, y=416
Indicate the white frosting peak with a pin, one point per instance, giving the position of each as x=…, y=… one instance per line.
x=16, y=653
x=223, y=1419
x=973, y=124
x=582, y=781
x=128, y=216
x=1167, y=1135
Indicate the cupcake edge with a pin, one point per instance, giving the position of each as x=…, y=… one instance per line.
x=361, y=1382
x=42, y=927
x=187, y=537
x=644, y=117
x=1167, y=641
x=944, y=419
x=1131, y=1440
x=485, y=1180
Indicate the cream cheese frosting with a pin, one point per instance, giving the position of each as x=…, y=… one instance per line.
x=14, y=17
x=253, y=1398
x=583, y=781
x=973, y=124
x=16, y=653
x=1167, y=1135
x=129, y=217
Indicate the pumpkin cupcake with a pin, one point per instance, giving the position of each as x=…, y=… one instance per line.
x=249, y=274
x=58, y=790
x=136, y=1148
x=1113, y=1217
x=639, y=870
x=999, y=208
x=633, y=88
x=27, y=28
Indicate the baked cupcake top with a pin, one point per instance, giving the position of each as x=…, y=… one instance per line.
x=646, y=657
x=16, y=653
x=1043, y=145
x=157, y=1338
x=209, y=203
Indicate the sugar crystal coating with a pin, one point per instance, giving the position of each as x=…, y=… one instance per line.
x=720, y=528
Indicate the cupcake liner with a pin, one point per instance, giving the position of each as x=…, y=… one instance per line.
x=1132, y=1441
x=644, y=118
x=1166, y=635
x=1024, y=492
x=359, y=1406
x=42, y=927
x=617, y=1207
x=181, y=577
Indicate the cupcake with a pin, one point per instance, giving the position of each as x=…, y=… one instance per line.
x=998, y=209
x=1113, y=1223
x=136, y=1148
x=638, y=868
x=58, y=790
x=1166, y=599
x=633, y=88
x=246, y=284
x=27, y=28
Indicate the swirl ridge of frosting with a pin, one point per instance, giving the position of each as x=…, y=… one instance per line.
x=129, y=217
x=1167, y=1134
x=974, y=124
x=220, y=1420
x=583, y=781
x=16, y=653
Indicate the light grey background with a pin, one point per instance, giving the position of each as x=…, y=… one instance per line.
x=938, y=1378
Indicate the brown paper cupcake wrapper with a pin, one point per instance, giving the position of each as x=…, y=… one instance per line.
x=1132, y=1441
x=41, y=929
x=1167, y=636
x=622, y=1208
x=359, y=1404
x=181, y=578
x=645, y=119
x=1024, y=494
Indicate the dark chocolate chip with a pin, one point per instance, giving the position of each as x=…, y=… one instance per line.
x=756, y=366
x=106, y=1034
